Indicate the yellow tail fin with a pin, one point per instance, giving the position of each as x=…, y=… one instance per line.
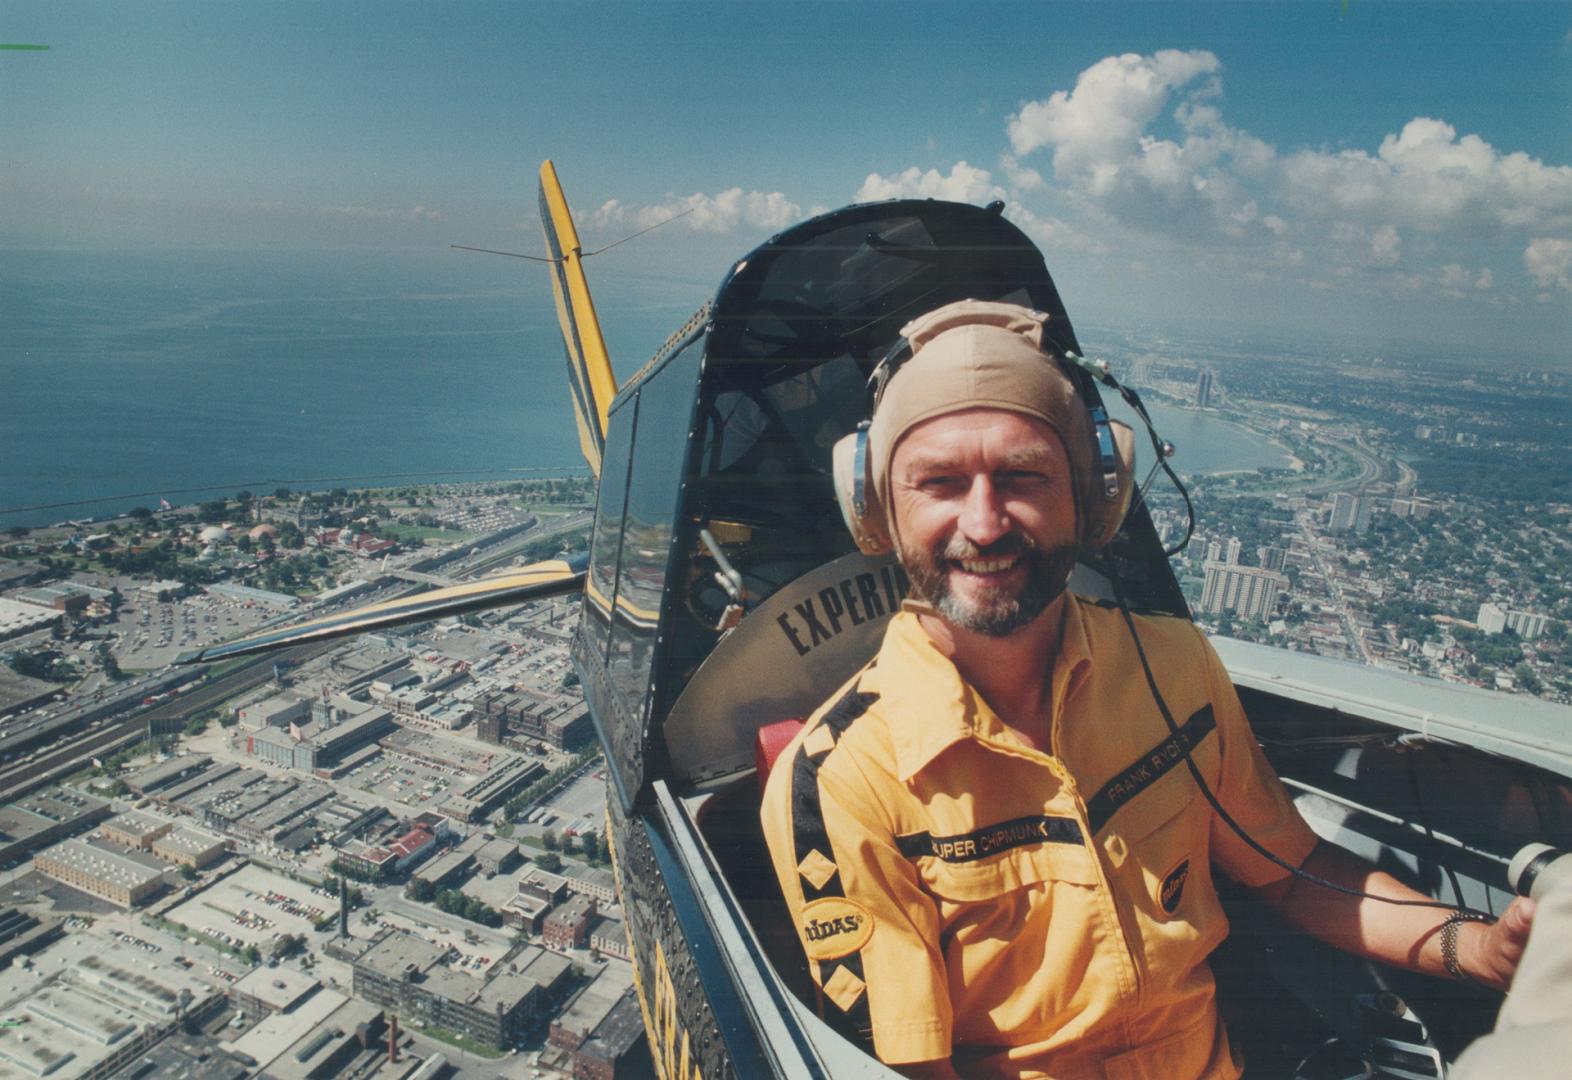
x=589, y=367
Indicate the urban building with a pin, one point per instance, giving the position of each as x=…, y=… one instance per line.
x=557, y=720
x=525, y=912
x=268, y=990
x=1493, y=619
x=189, y=847
x=248, y=595
x=257, y=809
x=498, y=856
x=490, y=727
x=366, y=862
x=445, y=869
x=544, y=885
x=567, y=927
x=22, y=933
x=278, y=711
x=1349, y=513
x=412, y=848
x=94, y=1007
x=18, y=692
x=478, y=798
x=1245, y=590
x=322, y=742
x=17, y=618
x=1232, y=551
x=587, y=881
x=134, y=830
x=120, y=879
x=70, y=597
x=44, y=817
x=599, y=1033
x=165, y=773
x=608, y=935
x=1203, y=388
x=408, y=975
x=1271, y=557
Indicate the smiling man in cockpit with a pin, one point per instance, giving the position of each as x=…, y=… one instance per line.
x=993, y=847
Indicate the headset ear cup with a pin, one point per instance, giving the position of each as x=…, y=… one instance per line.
x=1108, y=514
x=865, y=521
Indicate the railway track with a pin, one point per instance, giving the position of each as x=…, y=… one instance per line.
x=25, y=777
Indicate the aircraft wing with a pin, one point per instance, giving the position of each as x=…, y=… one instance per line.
x=538, y=581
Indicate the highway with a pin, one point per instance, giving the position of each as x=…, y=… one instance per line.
x=1371, y=469
x=73, y=753
x=486, y=561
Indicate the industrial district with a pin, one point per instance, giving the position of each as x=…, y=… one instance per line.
x=380, y=858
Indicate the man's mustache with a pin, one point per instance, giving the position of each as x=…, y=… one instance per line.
x=1009, y=544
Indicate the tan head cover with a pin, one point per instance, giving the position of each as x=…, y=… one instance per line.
x=982, y=354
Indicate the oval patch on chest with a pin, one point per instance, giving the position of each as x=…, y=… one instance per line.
x=1172, y=889
x=833, y=927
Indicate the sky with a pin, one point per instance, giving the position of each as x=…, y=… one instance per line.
x=1370, y=171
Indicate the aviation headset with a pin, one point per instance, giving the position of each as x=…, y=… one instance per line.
x=982, y=354
x=950, y=348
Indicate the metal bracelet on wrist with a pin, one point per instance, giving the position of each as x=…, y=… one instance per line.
x=1449, y=943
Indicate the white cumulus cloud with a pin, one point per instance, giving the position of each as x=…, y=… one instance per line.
x=721, y=212
x=1022, y=178
x=1429, y=177
x=1097, y=125
x=1548, y=261
x=965, y=183
x=1104, y=152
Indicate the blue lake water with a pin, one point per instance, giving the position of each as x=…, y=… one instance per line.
x=193, y=374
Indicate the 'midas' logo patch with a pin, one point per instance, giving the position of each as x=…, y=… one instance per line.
x=1171, y=891
x=833, y=927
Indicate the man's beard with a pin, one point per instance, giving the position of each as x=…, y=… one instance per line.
x=995, y=613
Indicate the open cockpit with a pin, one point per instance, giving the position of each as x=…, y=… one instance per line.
x=724, y=595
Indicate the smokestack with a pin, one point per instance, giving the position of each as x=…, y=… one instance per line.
x=393, y=1040
x=343, y=907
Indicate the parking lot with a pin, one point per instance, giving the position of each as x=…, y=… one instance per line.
x=472, y=958
x=152, y=634
x=582, y=804
x=255, y=907
x=410, y=783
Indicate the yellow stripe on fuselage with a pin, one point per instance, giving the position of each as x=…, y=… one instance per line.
x=591, y=380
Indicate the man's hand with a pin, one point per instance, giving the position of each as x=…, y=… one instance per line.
x=1490, y=953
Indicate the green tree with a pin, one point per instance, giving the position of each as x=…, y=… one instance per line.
x=549, y=838
x=550, y=862
x=1525, y=677
x=288, y=945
